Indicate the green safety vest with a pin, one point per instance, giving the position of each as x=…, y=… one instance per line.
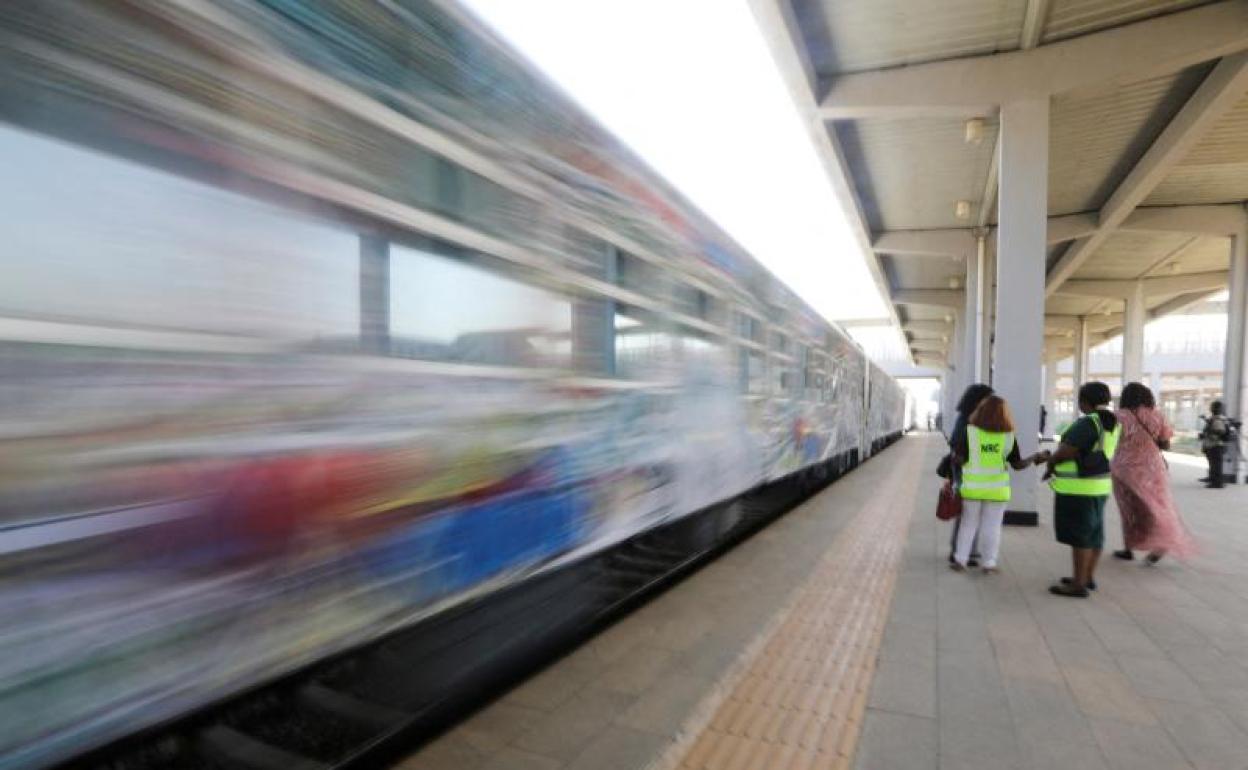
x=985, y=475
x=1066, y=479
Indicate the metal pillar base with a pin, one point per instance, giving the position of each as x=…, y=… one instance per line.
x=1022, y=519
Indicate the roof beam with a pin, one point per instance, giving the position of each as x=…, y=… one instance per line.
x=1064, y=323
x=1068, y=227
x=1036, y=15
x=954, y=242
x=1218, y=93
x=1153, y=287
x=1216, y=219
x=1180, y=303
x=927, y=327
x=851, y=323
x=1211, y=219
x=947, y=298
x=975, y=85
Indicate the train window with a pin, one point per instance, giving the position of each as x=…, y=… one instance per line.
x=640, y=276
x=94, y=239
x=645, y=347
x=779, y=342
x=689, y=300
x=755, y=372
x=443, y=309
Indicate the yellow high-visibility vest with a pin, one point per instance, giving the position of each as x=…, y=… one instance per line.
x=1066, y=479
x=985, y=475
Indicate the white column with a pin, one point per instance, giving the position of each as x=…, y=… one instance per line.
x=1133, y=335
x=987, y=307
x=1081, y=353
x=954, y=371
x=1237, y=318
x=1050, y=395
x=970, y=325
x=1022, y=211
x=981, y=300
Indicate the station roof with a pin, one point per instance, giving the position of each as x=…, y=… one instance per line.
x=1148, y=147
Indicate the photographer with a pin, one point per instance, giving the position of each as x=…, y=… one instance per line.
x=1213, y=439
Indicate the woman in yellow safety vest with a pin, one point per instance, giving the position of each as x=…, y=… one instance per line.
x=983, y=452
x=1078, y=471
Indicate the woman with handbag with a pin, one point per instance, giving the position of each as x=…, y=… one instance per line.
x=988, y=446
x=1150, y=521
x=948, y=469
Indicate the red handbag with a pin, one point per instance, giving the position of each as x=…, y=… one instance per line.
x=949, y=506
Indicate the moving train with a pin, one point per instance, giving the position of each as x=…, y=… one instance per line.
x=317, y=319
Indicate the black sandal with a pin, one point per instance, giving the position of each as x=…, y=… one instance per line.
x=1124, y=554
x=1091, y=586
x=1071, y=591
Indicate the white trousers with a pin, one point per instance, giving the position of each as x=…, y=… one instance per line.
x=983, y=518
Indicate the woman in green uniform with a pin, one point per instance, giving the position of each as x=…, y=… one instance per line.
x=1078, y=471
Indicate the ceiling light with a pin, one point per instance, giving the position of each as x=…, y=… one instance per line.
x=974, y=130
x=948, y=318
x=1174, y=267
x=954, y=283
x=962, y=210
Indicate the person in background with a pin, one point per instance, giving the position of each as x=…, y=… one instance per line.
x=1044, y=416
x=1079, y=473
x=1150, y=521
x=987, y=444
x=970, y=400
x=1213, y=442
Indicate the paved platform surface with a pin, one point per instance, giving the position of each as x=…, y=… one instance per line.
x=970, y=671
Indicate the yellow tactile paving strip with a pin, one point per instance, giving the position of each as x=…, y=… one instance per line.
x=798, y=704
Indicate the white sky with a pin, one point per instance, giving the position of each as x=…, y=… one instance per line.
x=691, y=86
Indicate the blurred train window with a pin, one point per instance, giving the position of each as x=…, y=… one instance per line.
x=755, y=373
x=779, y=342
x=645, y=348
x=640, y=276
x=95, y=239
x=443, y=309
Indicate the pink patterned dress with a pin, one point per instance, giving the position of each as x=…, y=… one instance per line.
x=1150, y=521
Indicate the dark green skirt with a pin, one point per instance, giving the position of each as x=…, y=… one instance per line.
x=1079, y=520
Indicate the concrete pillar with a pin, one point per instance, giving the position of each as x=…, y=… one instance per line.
x=948, y=400
x=987, y=306
x=1050, y=396
x=1022, y=214
x=1236, y=331
x=972, y=317
x=1080, y=371
x=374, y=294
x=1133, y=335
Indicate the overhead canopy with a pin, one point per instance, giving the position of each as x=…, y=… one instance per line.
x=1148, y=156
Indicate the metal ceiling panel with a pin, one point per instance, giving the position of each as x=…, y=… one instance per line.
x=855, y=35
x=923, y=272
x=1132, y=254
x=1071, y=18
x=910, y=173
x=1209, y=255
x=1096, y=139
x=1216, y=170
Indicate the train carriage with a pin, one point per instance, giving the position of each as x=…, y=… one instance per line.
x=319, y=319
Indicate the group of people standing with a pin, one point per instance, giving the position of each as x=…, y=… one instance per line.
x=1105, y=451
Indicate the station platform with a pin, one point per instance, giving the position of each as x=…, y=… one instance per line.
x=837, y=637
